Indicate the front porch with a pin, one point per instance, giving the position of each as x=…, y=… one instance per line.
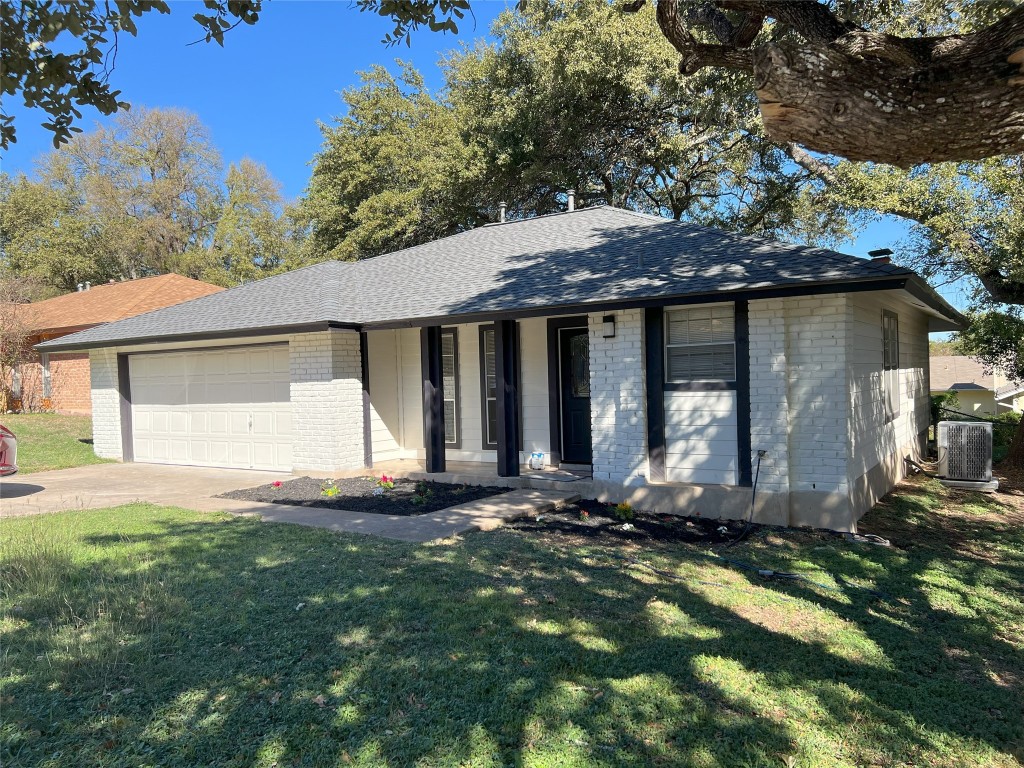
x=483, y=473
x=479, y=399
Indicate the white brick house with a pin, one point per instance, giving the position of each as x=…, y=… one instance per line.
x=680, y=364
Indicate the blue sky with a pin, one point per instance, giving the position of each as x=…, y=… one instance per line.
x=262, y=94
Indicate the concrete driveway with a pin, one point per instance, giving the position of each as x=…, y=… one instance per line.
x=108, y=485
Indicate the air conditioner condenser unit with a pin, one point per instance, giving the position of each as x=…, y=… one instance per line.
x=965, y=455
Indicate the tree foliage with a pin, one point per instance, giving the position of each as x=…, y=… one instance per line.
x=572, y=95
x=143, y=196
x=394, y=171
x=253, y=236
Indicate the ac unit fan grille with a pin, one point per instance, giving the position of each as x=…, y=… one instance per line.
x=968, y=451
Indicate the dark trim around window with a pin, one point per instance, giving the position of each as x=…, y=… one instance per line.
x=456, y=397
x=484, y=444
x=891, y=364
x=657, y=386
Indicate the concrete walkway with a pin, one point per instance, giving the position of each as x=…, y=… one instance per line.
x=110, y=485
x=482, y=515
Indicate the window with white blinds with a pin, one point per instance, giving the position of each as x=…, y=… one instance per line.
x=891, y=363
x=450, y=385
x=489, y=387
x=700, y=344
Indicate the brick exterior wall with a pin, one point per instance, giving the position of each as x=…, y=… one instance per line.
x=799, y=409
x=69, y=383
x=106, y=404
x=327, y=401
x=617, y=399
x=816, y=332
x=769, y=393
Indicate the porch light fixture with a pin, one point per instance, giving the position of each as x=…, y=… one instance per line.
x=609, y=326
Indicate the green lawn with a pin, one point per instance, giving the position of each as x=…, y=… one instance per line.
x=51, y=441
x=144, y=636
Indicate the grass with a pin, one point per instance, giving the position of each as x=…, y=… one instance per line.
x=51, y=441
x=143, y=636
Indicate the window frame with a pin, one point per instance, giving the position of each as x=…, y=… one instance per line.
x=456, y=397
x=483, y=331
x=44, y=364
x=670, y=384
x=891, y=364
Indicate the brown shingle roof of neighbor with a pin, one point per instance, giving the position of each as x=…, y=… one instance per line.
x=563, y=263
x=948, y=373
x=107, y=302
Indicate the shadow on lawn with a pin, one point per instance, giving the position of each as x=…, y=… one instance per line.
x=502, y=650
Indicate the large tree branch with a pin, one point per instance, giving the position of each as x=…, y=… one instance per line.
x=838, y=89
x=1003, y=289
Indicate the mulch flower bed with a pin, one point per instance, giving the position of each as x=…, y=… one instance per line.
x=362, y=494
x=597, y=522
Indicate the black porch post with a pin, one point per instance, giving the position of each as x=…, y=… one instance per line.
x=364, y=370
x=433, y=398
x=654, y=336
x=507, y=385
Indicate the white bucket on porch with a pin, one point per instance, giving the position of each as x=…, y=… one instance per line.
x=536, y=460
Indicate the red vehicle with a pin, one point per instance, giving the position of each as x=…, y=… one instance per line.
x=8, y=452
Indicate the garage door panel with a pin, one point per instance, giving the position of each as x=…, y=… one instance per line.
x=199, y=423
x=179, y=422
x=241, y=454
x=238, y=424
x=179, y=450
x=220, y=452
x=259, y=362
x=218, y=423
x=264, y=424
x=225, y=392
x=282, y=423
x=213, y=408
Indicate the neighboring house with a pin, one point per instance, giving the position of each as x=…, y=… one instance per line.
x=663, y=356
x=1010, y=397
x=979, y=392
x=60, y=381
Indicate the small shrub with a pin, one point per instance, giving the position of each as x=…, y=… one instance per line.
x=423, y=494
x=623, y=511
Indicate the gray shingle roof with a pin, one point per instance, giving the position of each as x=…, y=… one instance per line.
x=594, y=256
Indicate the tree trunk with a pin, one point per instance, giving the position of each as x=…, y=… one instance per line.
x=888, y=112
x=836, y=88
x=1015, y=458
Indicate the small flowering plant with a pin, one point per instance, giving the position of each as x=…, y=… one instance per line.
x=276, y=483
x=584, y=515
x=385, y=482
x=328, y=489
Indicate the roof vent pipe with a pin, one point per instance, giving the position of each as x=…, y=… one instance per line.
x=81, y=287
x=501, y=211
x=571, y=194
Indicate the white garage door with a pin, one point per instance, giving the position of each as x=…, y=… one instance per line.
x=215, y=408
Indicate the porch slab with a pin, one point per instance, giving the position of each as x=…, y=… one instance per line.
x=482, y=515
x=477, y=473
